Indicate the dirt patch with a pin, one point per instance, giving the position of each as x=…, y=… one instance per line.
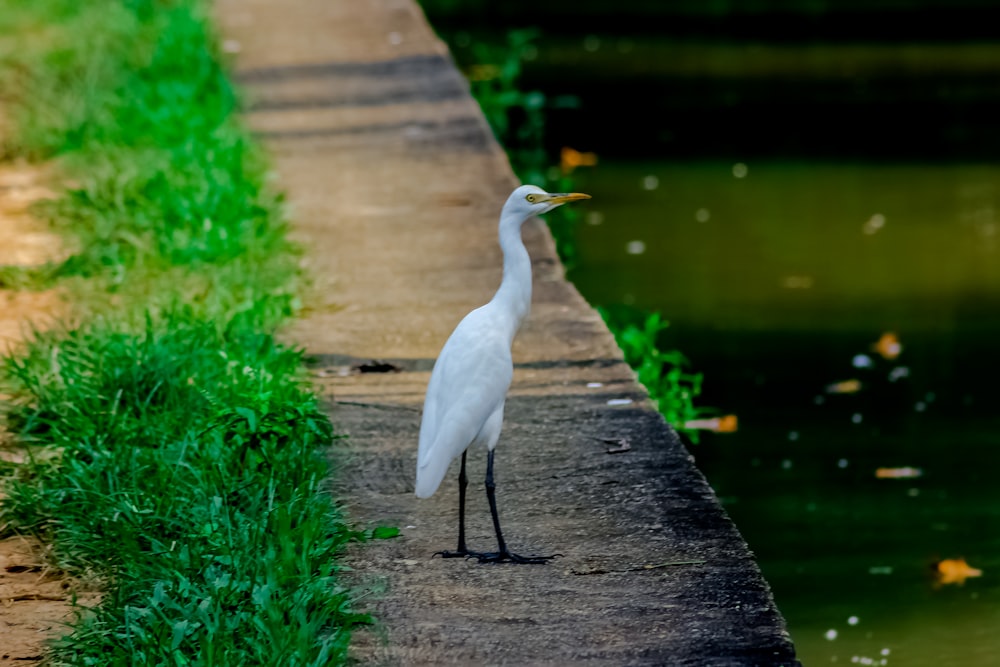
x=35, y=600
x=25, y=243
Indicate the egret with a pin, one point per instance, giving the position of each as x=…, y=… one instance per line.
x=468, y=386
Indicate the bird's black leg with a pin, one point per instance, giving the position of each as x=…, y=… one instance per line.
x=461, y=551
x=502, y=555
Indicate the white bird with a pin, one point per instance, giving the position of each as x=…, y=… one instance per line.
x=469, y=383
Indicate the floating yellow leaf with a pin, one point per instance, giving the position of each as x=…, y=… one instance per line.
x=570, y=159
x=888, y=345
x=727, y=424
x=845, y=387
x=723, y=424
x=898, y=473
x=955, y=571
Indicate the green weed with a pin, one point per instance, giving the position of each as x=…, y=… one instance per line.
x=663, y=372
x=517, y=117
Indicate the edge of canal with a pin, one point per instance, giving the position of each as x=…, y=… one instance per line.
x=394, y=183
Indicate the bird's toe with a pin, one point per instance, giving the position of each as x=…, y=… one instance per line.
x=455, y=554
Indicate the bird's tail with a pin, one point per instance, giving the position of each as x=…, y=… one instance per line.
x=429, y=475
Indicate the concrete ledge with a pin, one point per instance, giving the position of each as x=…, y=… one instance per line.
x=395, y=185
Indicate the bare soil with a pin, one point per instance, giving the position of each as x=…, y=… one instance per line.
x=394, y=184
x=25, y=242
x=35, y=600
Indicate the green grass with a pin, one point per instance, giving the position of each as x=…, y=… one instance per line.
x=663, y=372
x=189, y=477
x=141, y=113
x=176, y=453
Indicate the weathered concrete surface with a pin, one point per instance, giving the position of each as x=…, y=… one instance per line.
x=395, y=186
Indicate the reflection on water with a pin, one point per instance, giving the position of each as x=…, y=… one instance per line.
x=848, y=313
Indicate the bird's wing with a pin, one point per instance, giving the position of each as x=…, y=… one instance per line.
x=468, y=385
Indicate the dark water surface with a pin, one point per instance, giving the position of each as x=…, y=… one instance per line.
x=785, y=205
x=775, y=282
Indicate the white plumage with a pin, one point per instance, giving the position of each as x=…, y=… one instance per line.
x=468, y=386
x=465, y=396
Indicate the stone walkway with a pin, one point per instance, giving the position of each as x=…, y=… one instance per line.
x=395, y=185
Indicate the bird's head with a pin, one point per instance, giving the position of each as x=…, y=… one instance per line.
x=529, y=200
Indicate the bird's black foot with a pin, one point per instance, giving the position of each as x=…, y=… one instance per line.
x=508, y=557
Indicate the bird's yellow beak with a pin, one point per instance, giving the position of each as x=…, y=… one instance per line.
x=563, y=197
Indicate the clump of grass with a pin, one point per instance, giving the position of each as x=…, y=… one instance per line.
x=189, y=477
x=196, y=203
x=663, y=372
x=176, y=450
x=166, y=174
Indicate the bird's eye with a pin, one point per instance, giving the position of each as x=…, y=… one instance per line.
x=531, y=198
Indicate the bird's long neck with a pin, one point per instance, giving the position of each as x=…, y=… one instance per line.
x=514, y=295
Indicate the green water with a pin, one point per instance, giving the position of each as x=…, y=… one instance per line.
x=786, y=188
x=775, y=275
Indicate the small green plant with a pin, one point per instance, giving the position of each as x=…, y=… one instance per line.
x=663, y=373
x=517, y=117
